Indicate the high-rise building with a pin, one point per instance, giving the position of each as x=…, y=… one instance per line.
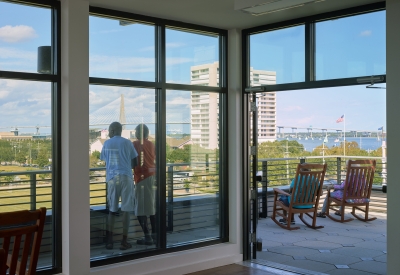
x=266, y=103
x=205, y=111
x=205, y=106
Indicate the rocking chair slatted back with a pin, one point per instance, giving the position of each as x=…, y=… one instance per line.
x=359, y=179
x=308, y=184
x=304, y=197
x=356, y=191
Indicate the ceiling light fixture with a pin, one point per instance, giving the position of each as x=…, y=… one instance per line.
x=261, y=7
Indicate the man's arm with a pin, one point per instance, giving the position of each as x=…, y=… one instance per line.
x=135, y=162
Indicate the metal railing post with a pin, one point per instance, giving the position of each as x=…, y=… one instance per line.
x=170, y=180
x=264, y=183
x=33, y=191
x=339, y=170
x=207, y=164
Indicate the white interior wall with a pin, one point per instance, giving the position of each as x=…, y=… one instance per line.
x=75, y=132
x=393, y=133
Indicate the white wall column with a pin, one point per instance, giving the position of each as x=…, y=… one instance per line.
x=74, y=134
x=393, y=133
x=235, y=118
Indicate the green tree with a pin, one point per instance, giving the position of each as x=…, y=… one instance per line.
x=96, y=154
x=6, y=151
x=179, y=155
x=42, y=158
x=21, y=157
x=94, y=159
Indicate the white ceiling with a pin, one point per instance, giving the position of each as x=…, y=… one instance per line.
x=220, y=13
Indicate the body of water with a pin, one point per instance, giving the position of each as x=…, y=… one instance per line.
x=365, y=143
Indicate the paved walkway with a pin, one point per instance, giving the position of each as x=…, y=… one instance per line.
x=355, y=247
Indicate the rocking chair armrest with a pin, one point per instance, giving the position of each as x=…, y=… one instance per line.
x=281, y=192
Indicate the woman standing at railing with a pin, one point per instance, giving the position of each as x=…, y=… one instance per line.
x=145, y=191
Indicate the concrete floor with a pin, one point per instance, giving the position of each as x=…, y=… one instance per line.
x=355, y=247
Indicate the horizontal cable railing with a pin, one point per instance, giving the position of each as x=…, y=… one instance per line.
x=279, y=172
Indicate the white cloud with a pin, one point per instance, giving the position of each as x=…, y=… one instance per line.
x=8, y=53
x=17, y=34
x=25, y=103
x=170, y=61
x=103, y=63
x=4, y=94
x=366, y=33
x=174, y=45
x=179, y=100
x=147, y=49
x=305, y=120
x=167, y=45
x=292, y=108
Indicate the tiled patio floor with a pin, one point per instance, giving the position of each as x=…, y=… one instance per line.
x=355, y=247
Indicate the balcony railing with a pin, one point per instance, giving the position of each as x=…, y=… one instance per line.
x=280, y=172
x=192, y=198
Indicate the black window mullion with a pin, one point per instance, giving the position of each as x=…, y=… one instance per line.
x=161, y=136
x=310, y=52
x=56, y=134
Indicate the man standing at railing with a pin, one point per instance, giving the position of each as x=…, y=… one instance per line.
x=120, y=157
x=145, y=193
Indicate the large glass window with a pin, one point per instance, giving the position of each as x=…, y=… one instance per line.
x=351, y=46
x=177, y=181
x=22, y=30
x=193, y=182
x=192, y=58
x=277, y=57
x=27, y=136
x=115, y=51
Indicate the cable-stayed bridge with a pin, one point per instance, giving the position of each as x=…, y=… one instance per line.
x=323, y=131
x=129, y=112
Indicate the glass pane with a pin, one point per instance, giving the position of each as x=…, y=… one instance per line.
x=192, y=58
x=118, y=203
x=192, y=166
x=116, y=52
x=323, y=133
x=352, y=46
x=26, y=177
x=277, y=57
x=22, y=30
x=310, y=124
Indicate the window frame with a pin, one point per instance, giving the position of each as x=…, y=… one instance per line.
x=310, y=66
x=161, y=86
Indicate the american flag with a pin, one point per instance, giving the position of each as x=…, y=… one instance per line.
x=340, y=119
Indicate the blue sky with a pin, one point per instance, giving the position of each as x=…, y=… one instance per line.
x=345, y=47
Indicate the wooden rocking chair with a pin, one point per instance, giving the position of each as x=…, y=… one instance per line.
x=304, y=198
x=356, y=191
x=21, y=229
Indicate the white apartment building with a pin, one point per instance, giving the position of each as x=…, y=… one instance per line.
x=205, y=111
x=266, y=103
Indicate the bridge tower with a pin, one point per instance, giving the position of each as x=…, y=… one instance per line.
x=122, y=117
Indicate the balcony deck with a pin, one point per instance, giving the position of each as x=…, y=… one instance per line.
x=353, y=248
